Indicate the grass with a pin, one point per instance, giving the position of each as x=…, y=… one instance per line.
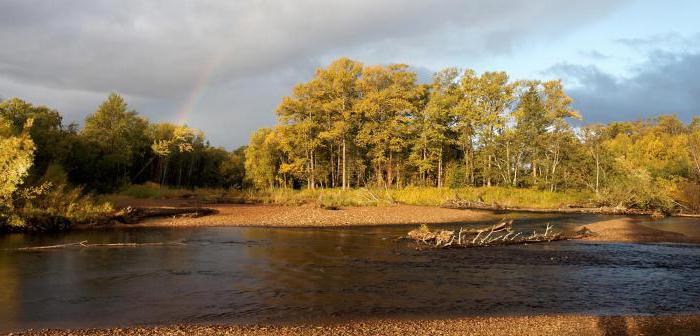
x=508, y=197
x=336, y=198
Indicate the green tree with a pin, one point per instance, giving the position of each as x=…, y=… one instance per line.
x=116, y=136
x=694, y=145
x=434, y=122
x=49, y=136
x=387, y=108
x=232, y=169
x=489, y=97
x=262, y=159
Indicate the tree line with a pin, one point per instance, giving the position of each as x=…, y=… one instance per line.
x=354, y=125
x=357, y=126
x=115, y=147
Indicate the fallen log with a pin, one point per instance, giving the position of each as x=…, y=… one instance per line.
x=85, y=244
x=48, y=247
x=132, y=215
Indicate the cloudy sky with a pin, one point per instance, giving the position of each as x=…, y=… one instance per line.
x=222, y=66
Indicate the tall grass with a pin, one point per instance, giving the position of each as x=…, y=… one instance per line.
x=336, y=198
x=501, y=196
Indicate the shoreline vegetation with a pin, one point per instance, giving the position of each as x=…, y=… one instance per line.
x=363, y=207
x=356, y=135
x=502, y=325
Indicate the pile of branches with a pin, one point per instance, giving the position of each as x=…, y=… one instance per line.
x=132, y=215
x=457, y=203
x=498, y=234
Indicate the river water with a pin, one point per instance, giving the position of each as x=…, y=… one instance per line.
x=271, y=275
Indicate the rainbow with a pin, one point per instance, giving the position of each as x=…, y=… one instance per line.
x=185, y=110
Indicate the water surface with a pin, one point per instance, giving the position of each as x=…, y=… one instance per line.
x=251, y=275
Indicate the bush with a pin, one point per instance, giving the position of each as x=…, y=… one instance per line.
x=639, y=190
x=49, y=208
x=336, y=198
x=688, y=195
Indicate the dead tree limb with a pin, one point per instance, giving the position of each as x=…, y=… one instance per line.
x=84, y=244
x=488, y=236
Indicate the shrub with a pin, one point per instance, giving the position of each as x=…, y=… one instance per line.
x=49, y=208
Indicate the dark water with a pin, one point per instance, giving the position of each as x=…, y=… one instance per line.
x=241, y=275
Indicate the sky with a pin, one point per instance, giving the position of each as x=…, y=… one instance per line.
x=223, y=66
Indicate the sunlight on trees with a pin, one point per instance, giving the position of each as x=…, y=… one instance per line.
x=354, y=125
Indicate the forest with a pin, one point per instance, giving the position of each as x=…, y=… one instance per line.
x=51, y=170
x=354, y=126
x=359, y=126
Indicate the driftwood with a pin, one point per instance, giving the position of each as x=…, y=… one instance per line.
x=84, y=244
x=568, y=209
x=131, y=215
x=498, y=234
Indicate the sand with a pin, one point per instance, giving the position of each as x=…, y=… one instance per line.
x=312, y=216
x=623, y=229
x=523, y=325
x=631, y=231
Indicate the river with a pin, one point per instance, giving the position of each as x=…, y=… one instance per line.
x=271, y=275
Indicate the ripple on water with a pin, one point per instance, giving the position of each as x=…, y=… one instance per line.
x=253, y=274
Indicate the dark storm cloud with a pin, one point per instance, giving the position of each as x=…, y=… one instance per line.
x=156, y=52
x=666, y=84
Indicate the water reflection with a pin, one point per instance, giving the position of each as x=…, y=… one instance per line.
x=262, y=275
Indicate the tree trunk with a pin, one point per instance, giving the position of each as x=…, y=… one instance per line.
x=345, y=183
x=331, y=166
x=389, y=170
x=312, y=180
x=488, y=172
x=440, y=170
x=165, y=173
x=597, y=174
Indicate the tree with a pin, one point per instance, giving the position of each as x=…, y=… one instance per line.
x=117, y=136
x=47, y=132
x=16, y=155
x=489, y=97
x=592, y=137
x=386, y=107
x=323, y=110
x=542, y=130
x=232, y=168
x=299, y=113
x=434, y=119
x=694, y=144
x=262, y=159
x=179, y=140
x=337, y=95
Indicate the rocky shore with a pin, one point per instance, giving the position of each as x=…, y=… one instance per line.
x=562, y=325
x=310, y=216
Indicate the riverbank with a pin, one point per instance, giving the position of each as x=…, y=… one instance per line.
x=622, y=229
x=311, y=216
x=520, y=325
x=629, y=230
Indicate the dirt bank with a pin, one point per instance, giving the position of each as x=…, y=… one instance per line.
x=630, y=230
x=312, y=216
x=617, y=230
x=527, y=325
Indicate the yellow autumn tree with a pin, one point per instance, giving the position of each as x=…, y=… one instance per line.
x=16, y=156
